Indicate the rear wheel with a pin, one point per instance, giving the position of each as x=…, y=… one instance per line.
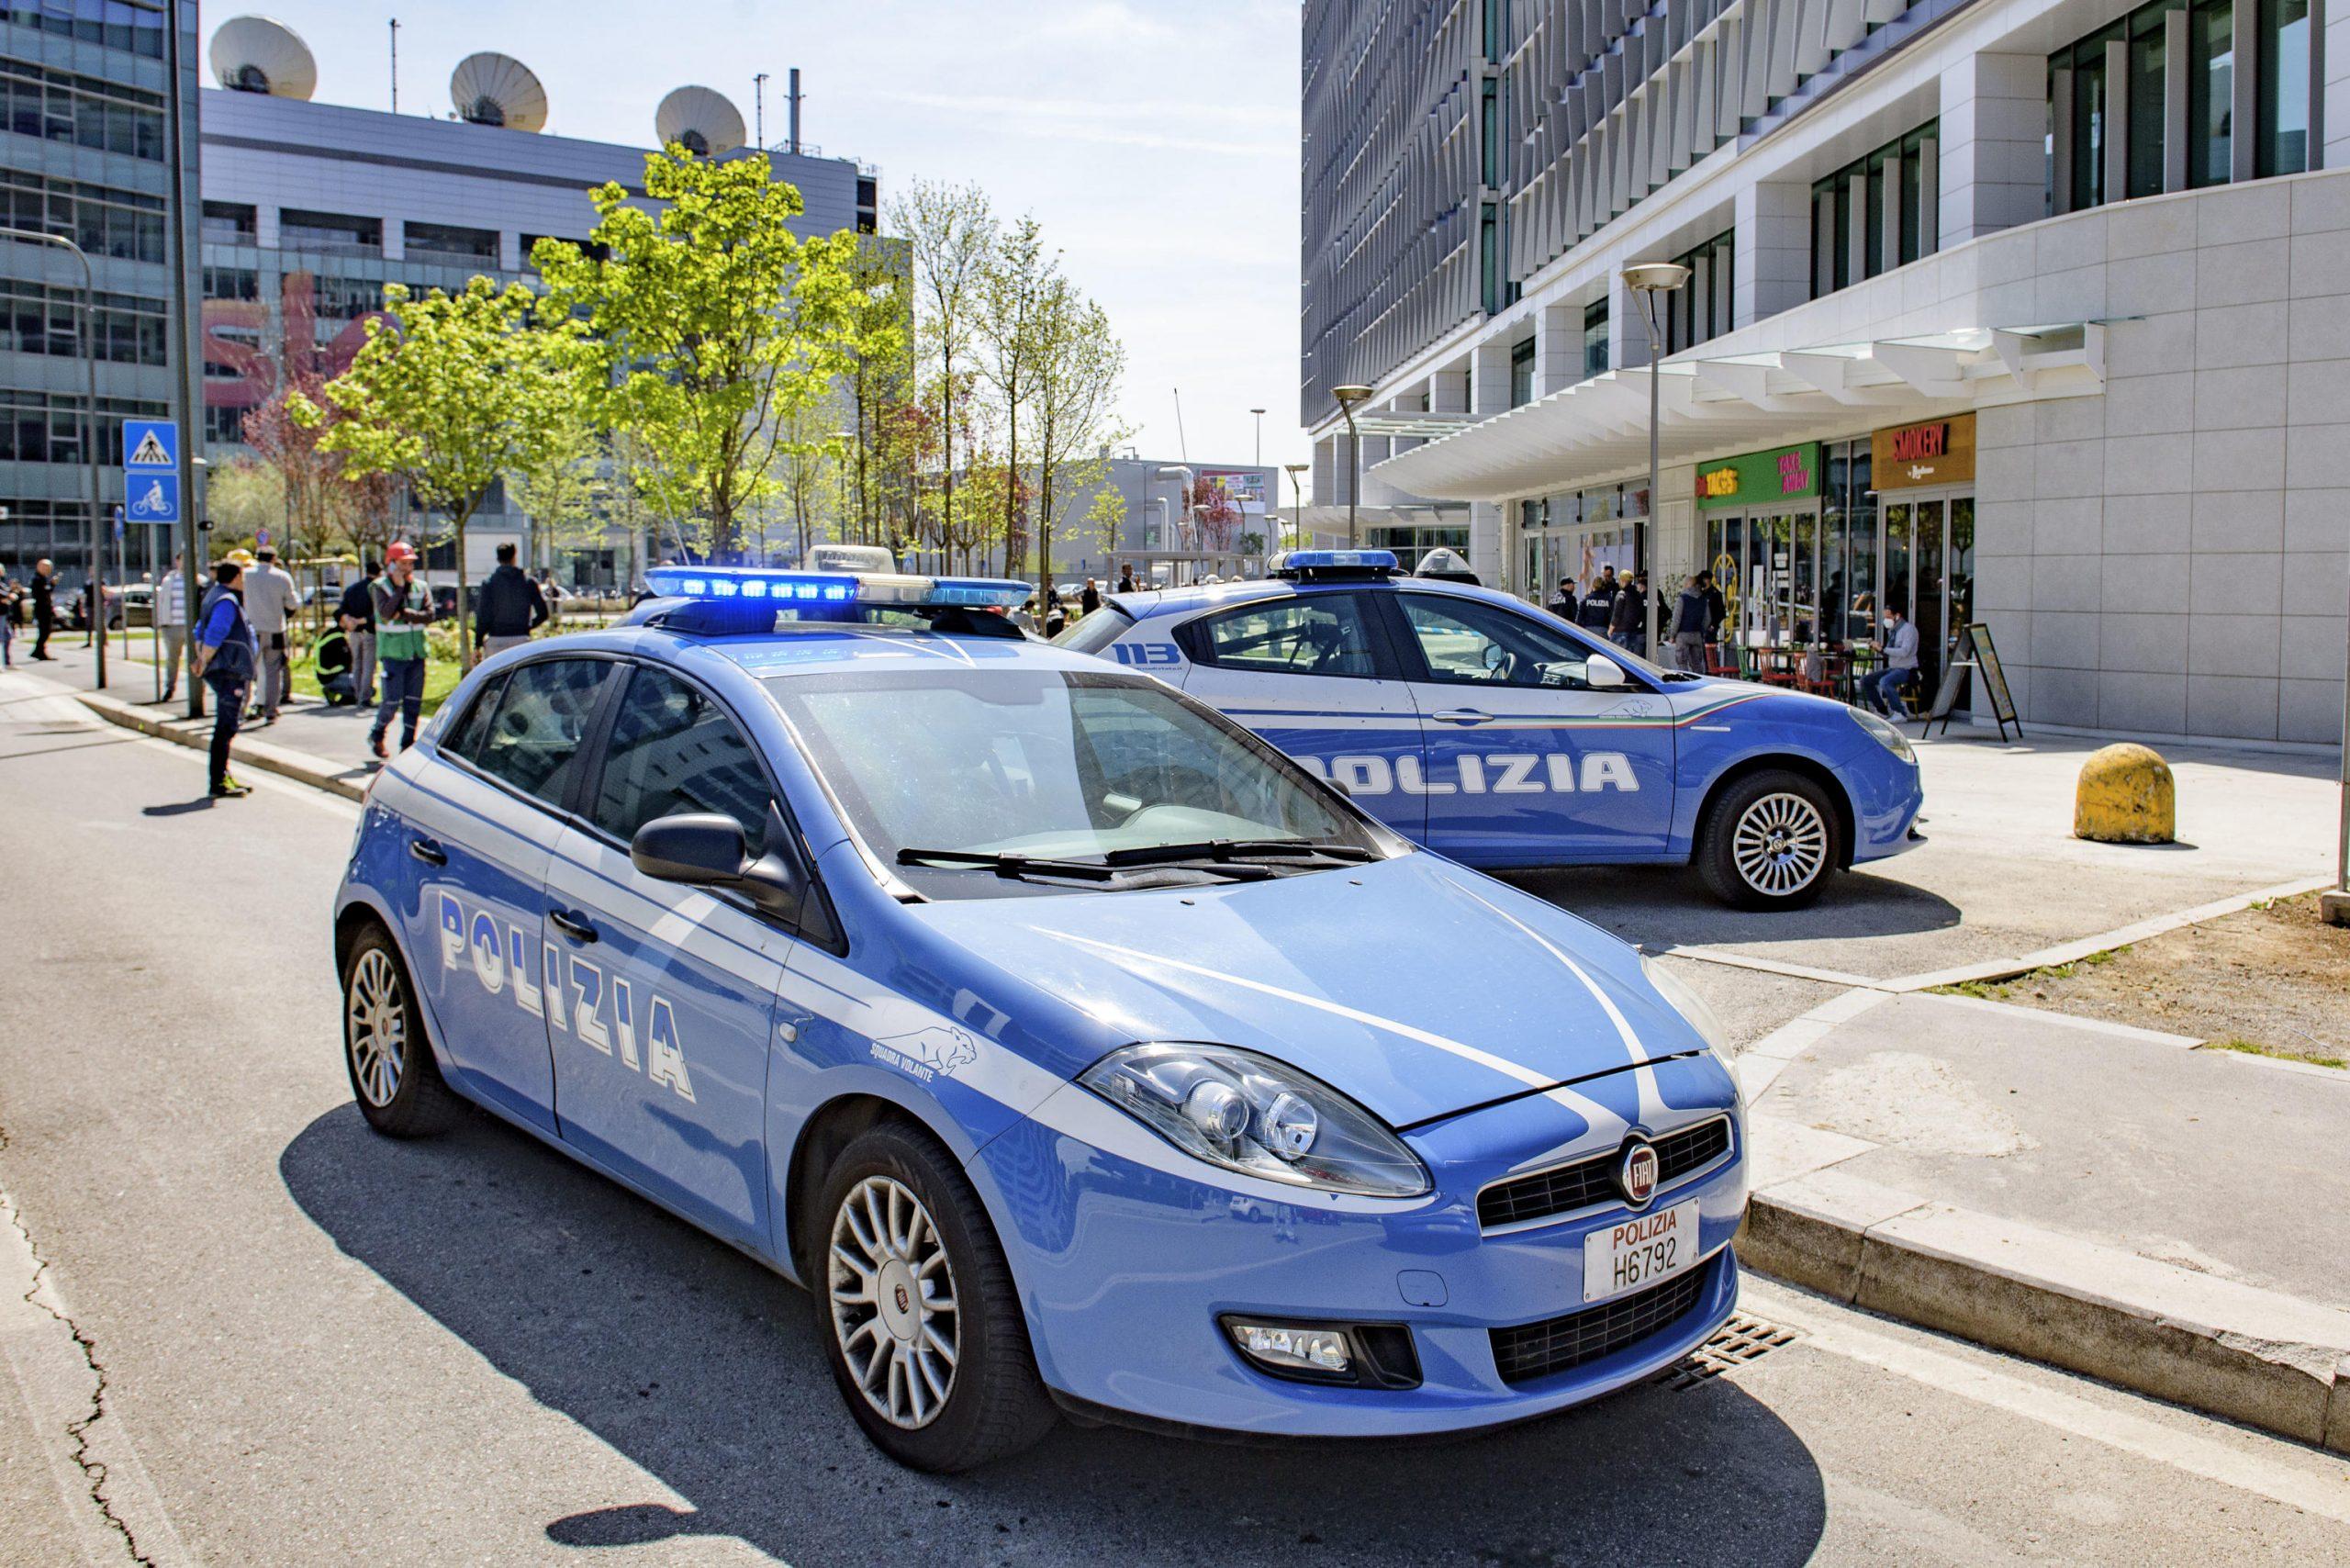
x=1770, y=842
x=916, y=1306
x=393, y=1075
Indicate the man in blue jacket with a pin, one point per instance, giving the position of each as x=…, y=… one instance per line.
x=227, y=655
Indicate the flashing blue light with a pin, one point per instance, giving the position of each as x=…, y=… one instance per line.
x=1318, y=560
x=739, y=583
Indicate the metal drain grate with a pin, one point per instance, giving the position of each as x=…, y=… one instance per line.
x=1738, y=1341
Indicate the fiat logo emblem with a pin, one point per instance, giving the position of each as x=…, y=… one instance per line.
x=905, y=1302
x=1637, y=1176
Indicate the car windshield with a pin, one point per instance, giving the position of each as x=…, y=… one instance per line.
x=963, y=780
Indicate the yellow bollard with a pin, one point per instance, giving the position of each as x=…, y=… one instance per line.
x=2125, y=796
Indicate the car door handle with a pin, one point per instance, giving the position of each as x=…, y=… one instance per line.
x=1464, y=716
x=431, y=854
x=572, y=925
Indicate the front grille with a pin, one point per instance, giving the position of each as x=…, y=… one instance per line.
x=1588, y=1181
x=1556, y=1344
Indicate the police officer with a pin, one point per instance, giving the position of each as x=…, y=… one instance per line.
x=1564, y=605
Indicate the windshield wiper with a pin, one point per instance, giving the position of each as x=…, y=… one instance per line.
x=1229, y=849
x=1010, y=866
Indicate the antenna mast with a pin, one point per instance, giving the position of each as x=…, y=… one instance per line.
x=759, y=110
x=1183, y=447
x=396, y=65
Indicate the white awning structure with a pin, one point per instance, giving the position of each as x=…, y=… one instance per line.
x=1711, y=407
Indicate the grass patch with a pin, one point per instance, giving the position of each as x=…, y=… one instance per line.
x=1998, y=991
x=2255, y=1049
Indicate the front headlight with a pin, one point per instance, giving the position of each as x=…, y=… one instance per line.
x=1884, y=732
x=1689, y=1005
x=1250, y=1113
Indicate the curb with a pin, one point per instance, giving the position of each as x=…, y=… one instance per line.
x=2255, y=1356
x=300, y=767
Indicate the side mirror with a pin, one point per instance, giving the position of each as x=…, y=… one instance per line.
x=700, y=848
x=1600, y=673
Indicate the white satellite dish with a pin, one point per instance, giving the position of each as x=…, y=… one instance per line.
x=498, y=89
x=254, y=54
x=709, y=125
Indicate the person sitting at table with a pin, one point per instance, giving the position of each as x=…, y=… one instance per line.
x=1900, y=641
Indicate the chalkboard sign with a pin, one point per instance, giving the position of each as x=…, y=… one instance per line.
x=1974, y=650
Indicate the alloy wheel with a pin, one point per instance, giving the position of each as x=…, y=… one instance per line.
x=377, y=1021
x=892, y=1292
x=1781, y=844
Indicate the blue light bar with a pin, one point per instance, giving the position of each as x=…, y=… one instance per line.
x=795, y=588
x=1318, y=560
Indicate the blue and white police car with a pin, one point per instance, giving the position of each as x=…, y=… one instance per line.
x=1502, y=736
x=1045, y=1024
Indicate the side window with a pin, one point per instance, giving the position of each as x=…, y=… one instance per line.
x=1311, y=635
x=674, y=749
x=533, y=738
x=465, y=740
x=1470, y=643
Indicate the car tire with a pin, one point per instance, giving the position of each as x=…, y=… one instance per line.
x=392, y=1076
x=895, y=1217
x=1771, y=842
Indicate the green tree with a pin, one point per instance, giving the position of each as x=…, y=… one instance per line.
x=1013, y=288
x=1078, y=362
x=562, y=486
x=458, y=391
x=950, y=233
x=713, y=324
x=243, y=497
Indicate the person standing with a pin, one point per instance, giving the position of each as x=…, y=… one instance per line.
x=1055, y=617
x=1598, y=602
x=9, y=594
x=44, y=592
x=1716, y=610
x=1126, y=578
x=1563, y=606
x=226, y=656
x=510, y=607
x=1089, y=601
x=403, y=610
x=269, y=599
x=1624, y=615
x=171, y=622
x=356, y=616
x=1900, y=665
x=1689, y=617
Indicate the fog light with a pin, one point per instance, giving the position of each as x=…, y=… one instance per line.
x=1288, y=1348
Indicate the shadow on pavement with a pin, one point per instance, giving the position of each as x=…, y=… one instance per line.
x=703, y=1368
x=1667, y=906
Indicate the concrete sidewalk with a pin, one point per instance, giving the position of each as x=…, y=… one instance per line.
x=2107, y=1199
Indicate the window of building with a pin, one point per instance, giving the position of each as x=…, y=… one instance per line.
x=1594, y=337
x=338, y=299
x=86, y=111
x=2211, y=93
x=103, y=220
x=38, y=318
x=1521, y=374
x=42, y=427
x=230, y=223
x=231, y=283
x=108, y=23
x=330, y=232
x=2284, y=99
x=431, y=240
x=1877, y=213
x=1699, y=311
x=223, y=425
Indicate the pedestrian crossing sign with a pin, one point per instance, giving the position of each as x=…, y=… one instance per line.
x=151, y=443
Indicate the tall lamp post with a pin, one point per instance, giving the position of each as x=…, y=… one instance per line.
x=1648, y=279
x=1181, y=471
x=1348, y=397
x=1261, y=436
x=89, y=434
x=1297, y=499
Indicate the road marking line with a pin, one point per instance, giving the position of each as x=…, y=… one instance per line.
x=2315, y=1484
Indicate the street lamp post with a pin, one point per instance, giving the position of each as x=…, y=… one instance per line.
x=1181, y=471
x=1297, y=498
x=1348, y=397
x=89, y=434
x=1261, y=436
x=1650, y=279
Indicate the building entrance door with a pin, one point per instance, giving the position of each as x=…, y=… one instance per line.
x=1928, y=547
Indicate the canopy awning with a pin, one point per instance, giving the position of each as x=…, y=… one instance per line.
x=1598, y=429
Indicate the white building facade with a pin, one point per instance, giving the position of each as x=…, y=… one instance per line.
x=2027, y=315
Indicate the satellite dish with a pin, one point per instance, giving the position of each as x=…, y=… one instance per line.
x=254, y=54
x=709, y=125
x=498, y=89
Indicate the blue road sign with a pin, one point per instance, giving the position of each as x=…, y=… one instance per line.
x=151, y=443
x=154, y=497
x=117, y=522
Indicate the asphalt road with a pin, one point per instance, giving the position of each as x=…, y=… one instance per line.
x=312, y=1345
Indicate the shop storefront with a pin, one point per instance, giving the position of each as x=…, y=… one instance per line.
x=1814, y=543
x=1577, y=533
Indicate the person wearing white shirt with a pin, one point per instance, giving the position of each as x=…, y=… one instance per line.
x=170, y=623
x=271, y=599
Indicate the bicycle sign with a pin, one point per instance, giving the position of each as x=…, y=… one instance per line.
x=154, y=497
x=150, y=471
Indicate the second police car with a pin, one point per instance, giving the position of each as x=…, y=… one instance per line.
x=1502, y=736
x=1042, y=1022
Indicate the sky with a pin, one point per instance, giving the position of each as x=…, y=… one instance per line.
x=1154, y=141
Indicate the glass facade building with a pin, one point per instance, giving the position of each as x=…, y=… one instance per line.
x=84, y=150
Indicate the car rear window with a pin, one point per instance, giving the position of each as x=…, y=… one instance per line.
x=1095, y=631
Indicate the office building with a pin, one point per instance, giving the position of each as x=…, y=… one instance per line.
x=85, y=154
x=2024, y=313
